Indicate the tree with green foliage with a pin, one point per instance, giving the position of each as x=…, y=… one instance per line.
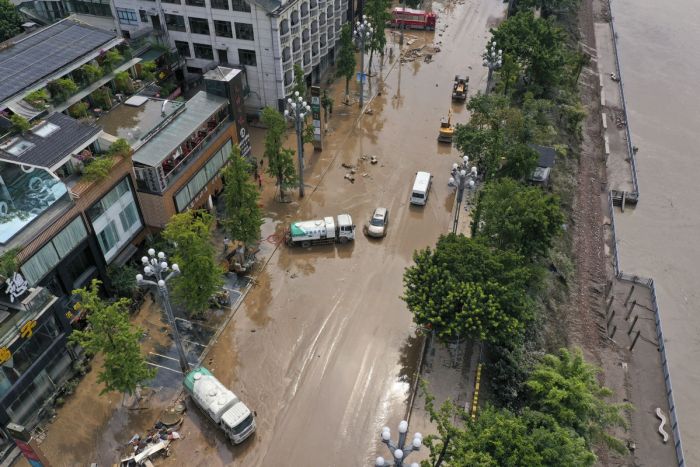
x=243, y=215
x=299, y=81
x=19, y=123
x=10, y=20
x=8, y=262
x=38, y=98
x=90, y=73
x=566, y=387
x=522, y=219
x=121, y=280
x=111, y=59
x=98, y=168
x=496, y=135
x=539, y=47
x=120, y=147
x=346, y=58
x=102, y=97
x=280, y=161
x=148, y=70
x=123, y=82
x=78, y=110
x=378, y=15
x=61, y=89
x=109, y=332
x=200, y=278
x=463, y=288
x=501, y=438
x=550, y=7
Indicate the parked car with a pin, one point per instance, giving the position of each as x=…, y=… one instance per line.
x=377, y=225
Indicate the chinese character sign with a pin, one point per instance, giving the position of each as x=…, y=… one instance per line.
x=27, y=329
x=16, y=286
x=5, y=355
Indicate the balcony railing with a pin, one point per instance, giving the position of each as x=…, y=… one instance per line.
x=195, y=152
x=307, y=46
x=295, y=29
x=305, y=19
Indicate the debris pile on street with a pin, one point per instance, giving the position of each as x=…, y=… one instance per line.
x=352, y=169
x=156, y=441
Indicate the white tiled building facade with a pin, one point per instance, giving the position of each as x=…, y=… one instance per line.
x=266, y=36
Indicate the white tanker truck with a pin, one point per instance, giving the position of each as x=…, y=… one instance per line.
x=321, y=231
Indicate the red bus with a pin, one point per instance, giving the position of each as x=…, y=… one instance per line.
x=413, y=19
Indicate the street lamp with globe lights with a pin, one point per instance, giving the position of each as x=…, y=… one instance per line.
x=156, y=267
x=399, y=451
x=363, y=32
x=493, y=59
x=297, y=110
x=461, y=177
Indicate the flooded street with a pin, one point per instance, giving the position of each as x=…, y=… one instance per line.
x=658, y=239
x=322, y=346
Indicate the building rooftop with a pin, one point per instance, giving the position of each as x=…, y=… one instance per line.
x=137, y=117
x=49, y=144
x=197, y=111
x=39, y=56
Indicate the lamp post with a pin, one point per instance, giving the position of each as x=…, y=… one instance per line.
x=363, y=32
x=296, y=110
x=493, y=59
x=461, y=178
x=156, y=266
x=399, y=451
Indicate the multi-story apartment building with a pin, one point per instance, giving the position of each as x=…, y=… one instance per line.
x=263, y=37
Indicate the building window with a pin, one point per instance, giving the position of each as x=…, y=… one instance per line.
x=89, y=8
x=219, y=4
x=115, y=219
x=175, y=22
x=183, y=48
x=223, y=28
x=127, y=16
x=247, y=57
x=223, y=56
x=50, y=254
x=143, y=16
x=240, y=5
x=201, y=178
x=199, y=26
x=244, y=31
x=195, y=3
x=178, y=2
x=203, y=51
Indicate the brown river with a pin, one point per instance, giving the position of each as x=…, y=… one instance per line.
x=660, y=66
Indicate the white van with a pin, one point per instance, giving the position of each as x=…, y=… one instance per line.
x=421, y=187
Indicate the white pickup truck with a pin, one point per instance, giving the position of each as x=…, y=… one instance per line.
x=220, y=404
x=321, y=231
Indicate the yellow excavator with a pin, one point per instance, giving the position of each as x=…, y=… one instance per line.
x=446, y=129
x=459, y=89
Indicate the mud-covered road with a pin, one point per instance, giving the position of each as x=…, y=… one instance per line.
x=322, y=347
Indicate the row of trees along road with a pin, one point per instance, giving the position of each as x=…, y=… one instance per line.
x=188, y=242
x=545, y=409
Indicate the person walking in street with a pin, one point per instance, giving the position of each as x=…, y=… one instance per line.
x=227, y=242
x=261, y=163
x=260, y=182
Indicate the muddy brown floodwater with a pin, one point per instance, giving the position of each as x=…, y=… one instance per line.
x=322, y=348
x=660, y=65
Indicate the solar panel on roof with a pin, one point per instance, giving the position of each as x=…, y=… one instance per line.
x=47, y=51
